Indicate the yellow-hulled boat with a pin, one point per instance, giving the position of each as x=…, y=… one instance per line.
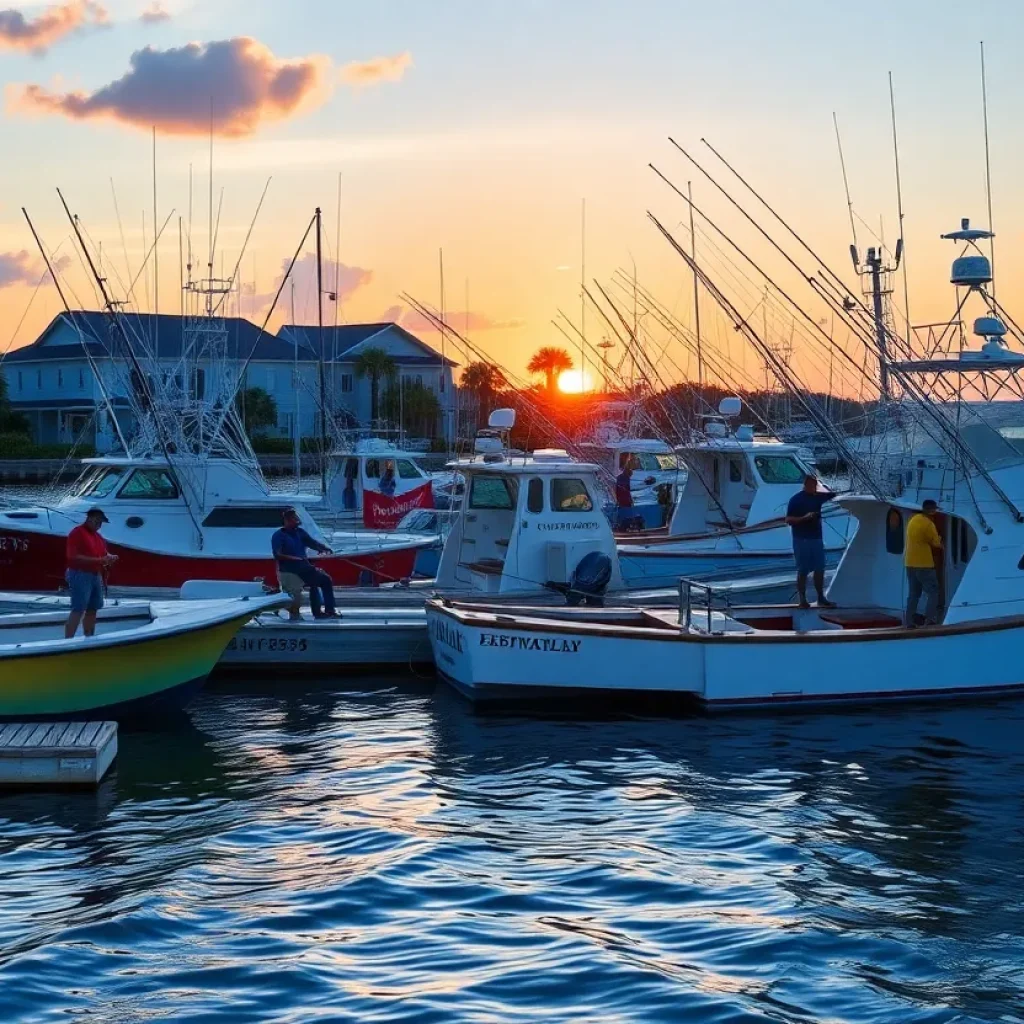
x=143, y=657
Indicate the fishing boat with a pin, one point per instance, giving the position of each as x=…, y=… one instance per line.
x=530, y=532
x=869, y=647
x=177, y=518
x=144, y=658
x=730, y=516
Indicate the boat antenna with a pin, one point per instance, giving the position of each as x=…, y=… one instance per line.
x=440, y=379
x=318, y=217
x=696, y=294
x=846, y=187
x=901, y=248
x=988, y=173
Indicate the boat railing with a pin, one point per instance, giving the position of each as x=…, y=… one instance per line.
x=687, y=589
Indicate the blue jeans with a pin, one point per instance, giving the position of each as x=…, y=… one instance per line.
x=922, y=581
x=86, y=590
x=321, y=586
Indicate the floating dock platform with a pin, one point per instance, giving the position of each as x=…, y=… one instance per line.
x=56, y=753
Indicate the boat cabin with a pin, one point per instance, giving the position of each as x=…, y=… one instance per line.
x=351, y=474
x=525, y=522
x=736, y=481
x=203, y=503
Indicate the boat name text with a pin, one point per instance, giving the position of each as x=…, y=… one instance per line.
x=530, y=643
x=570, y=524
x=282, y=645
x=448, y=636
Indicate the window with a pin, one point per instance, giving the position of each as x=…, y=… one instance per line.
x=100, y=486
x=779, y=469
x=20, y=382
x=440, y=386
x=419, y=379
x=570, y=496
x=60, y=378
x=346, y=382
x=894, y=532
x=491, y=492
x=372, y=468
x=39, y=380
x=535, y=495
x=407, y=470
x=667, y=462
x=149, y=485
x=271, y=381
x=199, y=384
x=262, y=517
x=81, y=379
x=735, y=471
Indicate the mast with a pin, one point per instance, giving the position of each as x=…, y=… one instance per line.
x=296, y=428
x=320, y=332
x=988, y=175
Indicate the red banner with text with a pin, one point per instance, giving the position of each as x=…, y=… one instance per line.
x=383, y=513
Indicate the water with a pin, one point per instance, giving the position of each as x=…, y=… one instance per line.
x=307, y=852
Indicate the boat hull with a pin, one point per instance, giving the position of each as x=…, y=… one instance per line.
x=489, y=656
x=141, y=676
x=35, y=560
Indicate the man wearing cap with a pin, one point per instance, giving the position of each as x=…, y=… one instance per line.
x=87, y=557
x=294, y=569
x=803, y=515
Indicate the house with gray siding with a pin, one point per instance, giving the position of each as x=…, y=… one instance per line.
x=69, y=379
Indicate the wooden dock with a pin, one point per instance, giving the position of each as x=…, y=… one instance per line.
x=56, y=753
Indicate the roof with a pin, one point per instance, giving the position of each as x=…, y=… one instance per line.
x=84, y=403
x=345, y=337
x=519, y=465
x=160, y=334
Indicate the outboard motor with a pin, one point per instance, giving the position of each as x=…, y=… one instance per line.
x=590, y=580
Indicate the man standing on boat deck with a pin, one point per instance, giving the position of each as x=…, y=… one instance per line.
x=804, y=517
x=294, y=569
x=923, y=544
x=87, y=557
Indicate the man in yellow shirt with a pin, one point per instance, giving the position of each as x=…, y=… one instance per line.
x=922, y=545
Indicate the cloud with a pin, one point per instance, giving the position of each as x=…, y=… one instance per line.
x=55, y=23
x=23, y=268
x=362, y=73
x=348, y=280
x=154, y=14
x=171, y=89
x=413, y=321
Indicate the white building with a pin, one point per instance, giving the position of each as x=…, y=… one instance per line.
x=55, y=381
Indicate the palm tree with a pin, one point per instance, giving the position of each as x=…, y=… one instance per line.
x=551, y=361
x=376, y=364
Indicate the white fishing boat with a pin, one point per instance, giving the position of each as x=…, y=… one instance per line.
x=730, y=516
x=860, y=650
x=530, y=532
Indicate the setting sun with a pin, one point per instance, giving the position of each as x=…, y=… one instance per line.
x=575, y=382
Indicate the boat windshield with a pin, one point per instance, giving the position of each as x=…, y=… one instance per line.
x=102, y=483
x=779, y=469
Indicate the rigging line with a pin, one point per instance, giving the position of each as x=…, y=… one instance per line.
x=782, y=372
x=85, y=346
x=988, y=171
x=814, y=324
x=120, y=228
x=764, y=203
x=899, y=207
x=846, y=181
x=245, y=244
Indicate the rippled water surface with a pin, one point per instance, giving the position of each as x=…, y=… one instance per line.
x=298, y=852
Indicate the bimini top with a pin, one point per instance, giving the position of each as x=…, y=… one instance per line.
x=635, y=444
x=550, y=460
x=741, y=443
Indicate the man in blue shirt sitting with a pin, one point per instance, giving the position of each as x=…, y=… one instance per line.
x=294, y=569
x=804, y=516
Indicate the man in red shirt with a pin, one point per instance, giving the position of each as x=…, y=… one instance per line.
x=87, y=558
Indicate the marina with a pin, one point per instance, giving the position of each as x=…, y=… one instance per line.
x=497, y=541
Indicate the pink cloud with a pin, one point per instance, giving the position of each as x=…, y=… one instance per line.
x=360, y=73
x=154, y=14
x=24, y=268
x=55, y=23
x=172, y=89
x=348, y=280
